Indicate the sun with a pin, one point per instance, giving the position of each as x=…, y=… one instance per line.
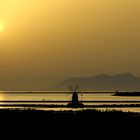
x=1, y=26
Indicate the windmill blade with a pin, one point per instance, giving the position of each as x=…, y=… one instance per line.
x=71, y=88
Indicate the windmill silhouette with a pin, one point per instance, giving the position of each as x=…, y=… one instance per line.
x=75, y=99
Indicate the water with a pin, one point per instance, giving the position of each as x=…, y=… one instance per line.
x=41, y=96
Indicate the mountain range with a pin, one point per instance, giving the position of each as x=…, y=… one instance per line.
x=101, y=82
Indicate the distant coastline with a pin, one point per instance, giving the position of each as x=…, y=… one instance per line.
x=123, y=93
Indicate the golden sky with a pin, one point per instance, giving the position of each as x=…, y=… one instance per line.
x=50, y=40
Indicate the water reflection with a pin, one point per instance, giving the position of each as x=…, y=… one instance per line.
x=40, y=96
x=20, y=96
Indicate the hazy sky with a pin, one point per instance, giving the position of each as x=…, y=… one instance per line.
x=46, y=41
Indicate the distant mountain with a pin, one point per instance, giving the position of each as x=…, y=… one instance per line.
x=102, y=82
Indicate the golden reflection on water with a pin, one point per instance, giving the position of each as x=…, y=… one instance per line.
x=2, y=96
x=46, y=97
x=125, y=109
x=98, y=109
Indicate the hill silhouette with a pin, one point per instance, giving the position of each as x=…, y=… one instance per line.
x=102, y=82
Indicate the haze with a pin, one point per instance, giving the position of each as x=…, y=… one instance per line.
x=46, y=41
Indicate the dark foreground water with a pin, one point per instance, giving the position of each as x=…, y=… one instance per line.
x=82, y=124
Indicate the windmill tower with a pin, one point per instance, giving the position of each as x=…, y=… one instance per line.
x=75, y=98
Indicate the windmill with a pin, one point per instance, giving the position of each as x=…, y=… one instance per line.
x=75, y=98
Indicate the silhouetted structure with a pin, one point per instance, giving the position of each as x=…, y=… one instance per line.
x=75, y=101
x=75, y=98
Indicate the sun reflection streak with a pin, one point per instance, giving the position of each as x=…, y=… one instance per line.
x=2, y=97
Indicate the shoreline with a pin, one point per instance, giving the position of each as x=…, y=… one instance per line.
x=131, y=94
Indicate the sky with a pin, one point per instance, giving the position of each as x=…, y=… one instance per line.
x=43, y=42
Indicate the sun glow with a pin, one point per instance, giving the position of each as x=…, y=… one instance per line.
x=1, y=27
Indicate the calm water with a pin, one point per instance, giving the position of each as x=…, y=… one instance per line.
x=67, y=97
